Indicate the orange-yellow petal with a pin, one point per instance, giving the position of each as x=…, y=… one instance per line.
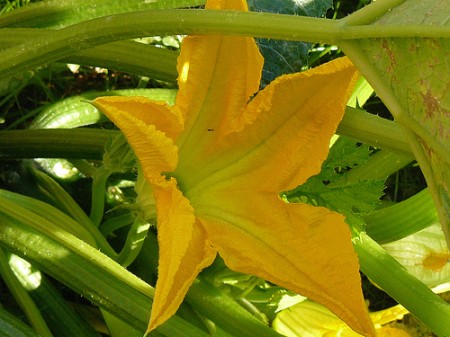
x=227, y=4
x=157, y=113
x=184, y=251
x=217, y=77
x=303, y=248
x=154, y=149
x=295, y=117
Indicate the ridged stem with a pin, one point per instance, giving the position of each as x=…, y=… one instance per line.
x=393, y=278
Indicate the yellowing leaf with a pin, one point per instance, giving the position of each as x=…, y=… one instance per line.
x=424, y=254
x=235, y=155
x=310, y=319
x=421, y=66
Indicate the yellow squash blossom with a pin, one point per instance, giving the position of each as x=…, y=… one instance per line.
x=217, y=161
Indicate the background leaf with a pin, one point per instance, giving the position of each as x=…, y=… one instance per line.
x=411, y=77
x=325, y=189
x=284, y=57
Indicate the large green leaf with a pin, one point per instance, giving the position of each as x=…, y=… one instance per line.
x=410, y=74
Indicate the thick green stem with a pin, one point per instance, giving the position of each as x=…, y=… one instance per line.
x=224, y=311
x=64, y=221
x=70, y=40
x=374, y=131
x=393, y=278
x=405, y=218
x=57, y=312
x=128, y=56
x=61, y=13
x=440, y=201
x=57, y=143
x=90, y=273
x=90, y=143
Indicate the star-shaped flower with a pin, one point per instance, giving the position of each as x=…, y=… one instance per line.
x=217, y=161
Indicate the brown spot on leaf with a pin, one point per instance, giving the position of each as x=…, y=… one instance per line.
x=431, y=104
x=413, y=47
x=390, y=54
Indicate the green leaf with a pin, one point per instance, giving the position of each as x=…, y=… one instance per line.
x=424, y=254
x=325, y=189
x=411, y=76
x=284, y=57
x=346, y=153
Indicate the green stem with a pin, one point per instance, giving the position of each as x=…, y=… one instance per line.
x=368, y=14
x=402, y=219
x=379, y=166
x=128, y=56
x=59, y=315
x=90, y=273
x=70, y=40
x=347, y=33
x=393, y=278
x=224, y=311
x=112, y=224
x=135, y=239
x=133, y=57
x=58, y=143
x=50, y=213
x=90, y=143
x=66, y=203
x=61, y=13
x=23, y=297
x=11, y=326
x=99, y=180
x=374, y=131
x=427, y=170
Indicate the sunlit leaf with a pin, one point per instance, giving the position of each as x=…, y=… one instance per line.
x=424, y=254
x=411, y=76
x=329, y=189
x=309, y=319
